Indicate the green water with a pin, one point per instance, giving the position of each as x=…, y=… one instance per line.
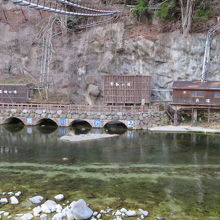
x=176, y=176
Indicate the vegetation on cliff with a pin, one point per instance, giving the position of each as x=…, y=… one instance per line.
x=188, y=13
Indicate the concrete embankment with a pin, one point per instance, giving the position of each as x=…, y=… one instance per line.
x=171, y=128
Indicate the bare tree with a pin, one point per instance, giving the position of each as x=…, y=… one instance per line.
x=187, y=8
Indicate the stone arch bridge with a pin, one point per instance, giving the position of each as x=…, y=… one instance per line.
x=133, y=117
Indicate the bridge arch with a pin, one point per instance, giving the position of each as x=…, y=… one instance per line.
x=14, y=120
x=46, y=122
x=115, y=127
x=80, y=124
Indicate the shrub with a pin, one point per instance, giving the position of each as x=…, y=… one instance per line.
x=167, y=10
x=203, y=11
x=141, y=8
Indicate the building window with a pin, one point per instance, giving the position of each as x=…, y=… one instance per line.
x=217, y=94
x=198, y=94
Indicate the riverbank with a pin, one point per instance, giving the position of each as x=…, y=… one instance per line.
x=186, y=128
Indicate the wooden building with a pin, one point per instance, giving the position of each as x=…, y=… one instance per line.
x=196, y=93
x=126, y=89
x=15, y=93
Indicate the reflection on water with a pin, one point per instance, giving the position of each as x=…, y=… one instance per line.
x=174, y=175
x=13, y=127
x=47, y=129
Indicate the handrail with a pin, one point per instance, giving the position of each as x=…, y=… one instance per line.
x=74, y=108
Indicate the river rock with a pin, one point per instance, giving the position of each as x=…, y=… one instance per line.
x=59, y=208
x=57, y=216
x=49, y=206
x=95, y=214
x=143, y=212
x=36, y=199
x=14, y=200
x=6, y=213
x=43, y=217
x=160, y=218
x=27, y=216
x=118, y=213
x=37, y=211
x=123, y=210
x=59, y=197
x=3, y=201
x=130, y=213
x=80, y=210
x=18, y=193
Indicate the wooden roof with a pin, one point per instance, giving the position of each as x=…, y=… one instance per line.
x=196, y=85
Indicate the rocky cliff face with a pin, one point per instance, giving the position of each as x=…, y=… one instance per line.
x=79, y=59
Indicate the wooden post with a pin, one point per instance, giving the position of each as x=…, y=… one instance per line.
x=194, y=115
x=175, y=117
x=208, y=115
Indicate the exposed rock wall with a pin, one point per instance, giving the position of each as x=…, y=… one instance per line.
x=79, y=59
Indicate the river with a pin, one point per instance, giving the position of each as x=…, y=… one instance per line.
x=173, y=175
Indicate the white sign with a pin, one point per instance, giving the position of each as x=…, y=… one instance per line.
x=130, y=124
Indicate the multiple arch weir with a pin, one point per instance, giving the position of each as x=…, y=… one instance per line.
x=79, y=125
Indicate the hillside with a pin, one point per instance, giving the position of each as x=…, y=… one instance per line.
x=74, y=57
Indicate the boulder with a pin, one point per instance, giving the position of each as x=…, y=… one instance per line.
x=80, y=210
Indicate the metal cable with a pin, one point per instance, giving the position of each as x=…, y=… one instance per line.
x=45, y=8
x=84, y=7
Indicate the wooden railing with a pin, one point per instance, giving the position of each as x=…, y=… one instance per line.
x=74, y=108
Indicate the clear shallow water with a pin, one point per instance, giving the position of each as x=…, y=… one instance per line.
x=172, y=175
